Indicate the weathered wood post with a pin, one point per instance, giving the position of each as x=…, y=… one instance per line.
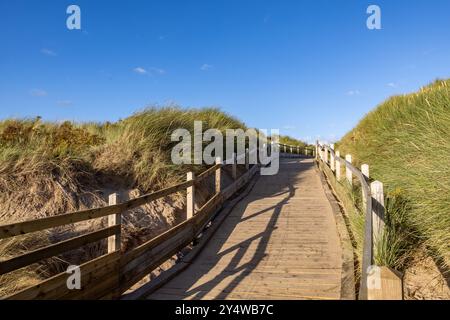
x=234, y=168
x=325, y=154
x=218, y=175
x=332, y=161
x=348, y=172
x=247, y=159
x=365, y=172
x=114, y=219
x=378, y=209
x=384, y=284
x=317, y=150
x=190, y=201
x=338, y=166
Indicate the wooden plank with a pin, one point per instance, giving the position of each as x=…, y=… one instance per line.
x=114, y=242
x=384, y=284
x=155, y=241
x=55, y=249
x=152, y=253
x=209, y=172
x=104, y=282
x=56, y=286
x=378, y=210
x=131, y=277
x=234, y=167
x=348, y=171
x=259, y=247
x=190, y=197
x=25, y=227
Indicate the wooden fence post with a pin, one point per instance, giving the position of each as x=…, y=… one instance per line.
x=384, y=284
x=348, y=172
x=317, y=150
x=247, y=159
x=218, y=175
x=332, y=161
x=190, y=201
x=234, y=168
x=338, y=166
x=325, y=154
x=114, y=219
x=365, y=172
x=376, y=190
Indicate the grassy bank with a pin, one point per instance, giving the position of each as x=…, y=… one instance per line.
x=406, y=141
x=51, y=168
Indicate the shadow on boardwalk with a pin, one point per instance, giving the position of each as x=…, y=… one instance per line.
x=247, y=256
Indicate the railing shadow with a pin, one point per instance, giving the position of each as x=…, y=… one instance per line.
x=265, y=188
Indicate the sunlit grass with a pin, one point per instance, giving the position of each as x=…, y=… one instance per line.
x=406, y=141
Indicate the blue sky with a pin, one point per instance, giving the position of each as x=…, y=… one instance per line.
x=309, y=68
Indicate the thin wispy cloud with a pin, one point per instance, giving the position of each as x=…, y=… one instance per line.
x=288, y=127
x=64, y=103
x=149, y=71
x=38, y=93
x=48, y=52
x=206, y=67
x=157, y=71
x=392, y=85
x=140, y=70
x=353, y=93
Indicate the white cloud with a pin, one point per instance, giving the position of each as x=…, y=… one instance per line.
x=150, y=71
x=64, y=103
x=392, y=85
x=353, y=93
x=288, y=127
x=38, y=93
x=140, y=70
x=206, y=67
x=48, y=52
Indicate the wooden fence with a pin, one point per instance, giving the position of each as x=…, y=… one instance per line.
x=376, y=282
x=112, y=274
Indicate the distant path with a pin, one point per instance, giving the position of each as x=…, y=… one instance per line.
x=280, y=242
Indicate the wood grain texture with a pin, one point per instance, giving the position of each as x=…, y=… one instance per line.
x=280, y=242
x=56, y=249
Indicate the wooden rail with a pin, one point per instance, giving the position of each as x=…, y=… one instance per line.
x=109, y=276
x=372, y=284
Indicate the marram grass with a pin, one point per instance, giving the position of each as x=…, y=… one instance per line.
x=406, y=142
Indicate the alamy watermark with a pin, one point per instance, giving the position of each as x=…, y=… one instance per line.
x=374, y=20
x=74, y=280
x=260, y=150
x=73, y=22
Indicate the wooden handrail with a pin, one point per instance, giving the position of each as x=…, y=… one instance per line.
x=368, y=244
x=116, y=275
x=20, y=228
x=55, y=249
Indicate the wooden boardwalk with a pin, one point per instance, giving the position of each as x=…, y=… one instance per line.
x=280, y=242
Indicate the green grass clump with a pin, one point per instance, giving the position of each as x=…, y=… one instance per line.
x=287, y=140
x=406, y=142
x=49, y=168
